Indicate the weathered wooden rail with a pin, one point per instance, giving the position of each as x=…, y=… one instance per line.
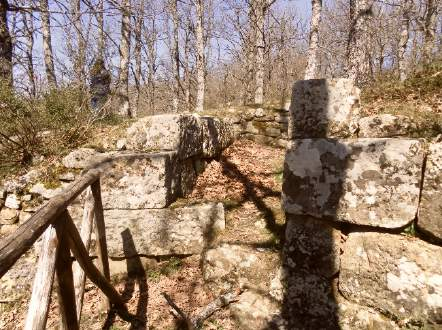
x=60, y=239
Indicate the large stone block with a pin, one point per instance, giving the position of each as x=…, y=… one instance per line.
x=385, y=125
x=324, y=108
x=217, y=135
x=398, y=276
x=179, y=132
x=141, y=181
x=373, y=182
x=430, y=209
x=312, y=245
x=160, y=232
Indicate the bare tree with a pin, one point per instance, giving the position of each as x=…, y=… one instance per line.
x=123, y=79
x=175, y=55
x=47, y=44
x=312, y=65
x=28, y=27
x=5, y=44
x=139, y=22
x=79, y=59
x=429, y=27
x=406, y=8
x=200, y=60
x=358, y=41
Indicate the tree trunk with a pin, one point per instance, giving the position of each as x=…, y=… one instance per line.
x=123, y=81
x=259, y=53
x=429, y=30
x=151, y=51
x=139, y=22
x=100, y=23
x=200, y=61
x=28, y=27
x=403, y=42
x=47, y=44
x=5, y=45
x=311, y=71
x=250, y=54
x=80, y=52
x=173, y=4
x=358, y=41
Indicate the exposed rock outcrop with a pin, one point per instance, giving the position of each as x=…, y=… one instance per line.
x=386, y=126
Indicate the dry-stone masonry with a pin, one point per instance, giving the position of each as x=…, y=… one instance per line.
x=137, y=188
x=351, y=187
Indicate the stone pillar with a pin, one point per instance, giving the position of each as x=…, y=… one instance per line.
x=347, y=199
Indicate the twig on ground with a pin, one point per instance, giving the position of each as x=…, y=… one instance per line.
x=197, y=322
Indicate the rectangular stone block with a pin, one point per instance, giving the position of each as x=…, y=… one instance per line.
x=374, y=182
x=161, y=232
x=217, y=135
x=179, y=132
x=430, y=208
x=324, y=108
x=397, y=275
x=141, y=181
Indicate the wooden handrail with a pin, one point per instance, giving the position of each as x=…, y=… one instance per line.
x=16, y=244
x=60, y=239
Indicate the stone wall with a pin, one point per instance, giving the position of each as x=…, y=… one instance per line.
x=364, y=218
x=137, y=189
x=267, y=126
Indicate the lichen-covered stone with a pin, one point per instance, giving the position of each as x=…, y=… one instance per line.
x=82, y=158
x=217, y=135
x=386, y=125
x=430, y=209
x=169, y=132
x=256, y=311
x=398, y=276
x=13, y=202
x=140, y=181
x=40, y=189
x=160, y=232
x=229, y=266
x=324, y=108
x=8, y=216
x=373, y=182
x=312, y=245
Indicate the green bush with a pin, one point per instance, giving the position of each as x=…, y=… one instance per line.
x=48, y=125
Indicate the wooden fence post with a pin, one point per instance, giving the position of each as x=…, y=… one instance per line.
x=86, y=230
x=100, y=234
x=63, y=267
x=43, y=280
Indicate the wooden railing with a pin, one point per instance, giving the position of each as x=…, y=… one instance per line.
x=60, y=238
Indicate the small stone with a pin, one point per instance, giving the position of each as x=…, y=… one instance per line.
x=24, y=216
x=8, y=229
x=259, y=112
x=2, y=193
x=121, y=144
x=8, y=216
x=69, y=176
x=12, y=201
x=26, y=198
x=40, y=189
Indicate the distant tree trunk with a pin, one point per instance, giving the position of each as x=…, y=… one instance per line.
x=312, y=63
x=151, y=37
x=28, y=27
x=80, y=52
x=187, y=73
x=358, y=65
x=123, y=79
x=47, y=44
x=5, y=45
x=249, y=48
x=100, y=23
x=200, y=61
x=139, y=22
x=259, y=53
x=173, y=4
x=261, y=11
x=429, y=30
x=403, y=42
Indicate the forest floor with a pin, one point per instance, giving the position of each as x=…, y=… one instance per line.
x=247, y=179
